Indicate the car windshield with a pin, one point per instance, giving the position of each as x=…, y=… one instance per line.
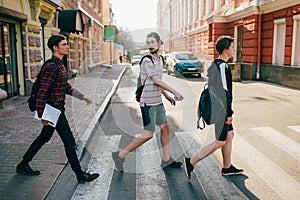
x=185, y=56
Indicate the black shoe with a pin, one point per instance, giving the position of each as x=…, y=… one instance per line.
x=118, y=161
x=231, y=171
x=170, y=163
x=188, y=167
x=26, y=170
x=86, y=177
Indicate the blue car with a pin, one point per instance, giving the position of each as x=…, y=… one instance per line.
x=182, y=63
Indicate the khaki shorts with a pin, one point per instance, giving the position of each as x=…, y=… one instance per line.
x=153, y=115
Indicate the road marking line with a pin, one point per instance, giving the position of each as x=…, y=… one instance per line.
x=284, y=143
x=277, y=179
x=102, y=163
x=295, y=128
x=151, y=181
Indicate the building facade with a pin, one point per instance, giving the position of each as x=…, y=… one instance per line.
x=26, y=25
x=266, y=32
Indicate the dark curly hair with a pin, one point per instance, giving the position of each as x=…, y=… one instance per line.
x=54, y=40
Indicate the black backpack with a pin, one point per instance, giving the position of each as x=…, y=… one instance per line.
x=204, y=108
x=139, y=85
x=34, y=91
x=211, y=107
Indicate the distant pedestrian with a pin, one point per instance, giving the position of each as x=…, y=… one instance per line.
x=152, y=108
x=53, y=89
x=219, y=78
x=121, y=58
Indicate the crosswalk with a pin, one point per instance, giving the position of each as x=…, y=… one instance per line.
x=151, y=180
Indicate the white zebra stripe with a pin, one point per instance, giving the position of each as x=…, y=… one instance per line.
x=284, y=143
x=151, y=181
x=277, y=179
x=295, y=128
x=103, y=163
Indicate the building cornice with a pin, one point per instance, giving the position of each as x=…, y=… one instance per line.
x=277, y=5
x=252, y=9
x=197, y=30
x=87, y=14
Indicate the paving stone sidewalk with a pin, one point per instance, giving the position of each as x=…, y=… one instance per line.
x=18, y=129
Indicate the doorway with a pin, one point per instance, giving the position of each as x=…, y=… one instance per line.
x=8, y=59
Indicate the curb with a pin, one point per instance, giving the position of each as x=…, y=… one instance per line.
x=41, y=191
x=84, y=140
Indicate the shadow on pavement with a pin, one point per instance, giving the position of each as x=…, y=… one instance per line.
x=239, y=182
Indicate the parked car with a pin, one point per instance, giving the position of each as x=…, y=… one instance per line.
x=136, y=60
x=184, y=63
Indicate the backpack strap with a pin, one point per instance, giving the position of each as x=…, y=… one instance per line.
x=146, y=56
x=150, y=57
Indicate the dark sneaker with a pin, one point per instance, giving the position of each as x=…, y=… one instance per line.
x=170, y=163
x=188, y=167
x=118, y=161
x=87, y=177
x=231, y=171
x=26, y=170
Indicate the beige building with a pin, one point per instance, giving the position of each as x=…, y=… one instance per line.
x=26, y=25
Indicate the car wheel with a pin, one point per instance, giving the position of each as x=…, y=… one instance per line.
x=199, y=75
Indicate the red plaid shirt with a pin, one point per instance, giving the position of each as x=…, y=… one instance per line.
x=54, y=85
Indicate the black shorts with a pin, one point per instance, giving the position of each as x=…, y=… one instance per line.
x=221, y=130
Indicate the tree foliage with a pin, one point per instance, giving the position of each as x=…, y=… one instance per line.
x=127, y=40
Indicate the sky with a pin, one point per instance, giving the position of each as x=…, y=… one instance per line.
x=134, y=14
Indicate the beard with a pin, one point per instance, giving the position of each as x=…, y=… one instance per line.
x=153, y=51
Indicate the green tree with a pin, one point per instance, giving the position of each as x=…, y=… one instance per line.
x=127, y=40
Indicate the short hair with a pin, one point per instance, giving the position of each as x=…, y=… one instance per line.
x=156, y=36
x=223, y=42
x=54, y=40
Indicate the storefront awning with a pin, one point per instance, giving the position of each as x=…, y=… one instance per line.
x=70, y=21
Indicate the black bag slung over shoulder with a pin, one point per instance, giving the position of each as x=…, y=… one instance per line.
x=34, y=90
x=140, y=88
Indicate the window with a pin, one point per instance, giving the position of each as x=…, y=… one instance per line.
x=279, y=41
x=210, y=33
x=296, y=42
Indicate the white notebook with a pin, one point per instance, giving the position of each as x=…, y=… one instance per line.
x=50, y=114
